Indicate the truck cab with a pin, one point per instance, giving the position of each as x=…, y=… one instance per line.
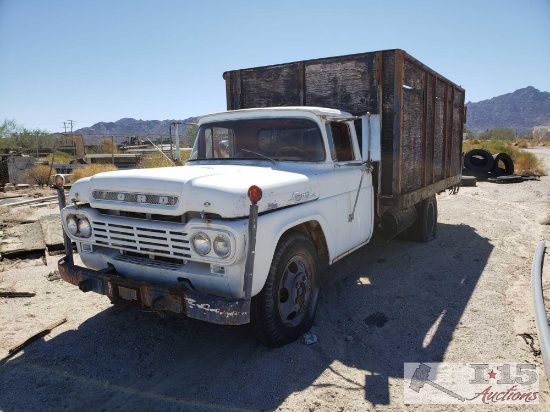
x=187, y=228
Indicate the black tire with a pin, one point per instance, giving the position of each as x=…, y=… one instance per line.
x=424, y=228
x=478, y=160
x=285, y=308
x=507, y=162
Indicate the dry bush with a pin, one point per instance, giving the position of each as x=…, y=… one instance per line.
x=91, y=170
x=522, y=144
x=528, y=164
x=38, y=174
x=154, y=160
x=525, y=163
x=60, y=157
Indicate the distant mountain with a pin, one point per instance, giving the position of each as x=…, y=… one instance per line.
x=519, y=111
x=132, y=127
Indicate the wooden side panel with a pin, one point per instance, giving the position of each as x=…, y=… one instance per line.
x=413, y=127
x=270, y=86
x=346, y=83
x=439, y=130
x=388, y=117
x=430, y=102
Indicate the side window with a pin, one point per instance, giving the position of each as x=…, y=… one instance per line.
x=341, y=138
x=217, y=143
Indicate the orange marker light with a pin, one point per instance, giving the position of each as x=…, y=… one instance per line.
x=254, y=194
x=59, y=180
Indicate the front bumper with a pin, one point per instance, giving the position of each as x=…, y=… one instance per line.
x=178, y=298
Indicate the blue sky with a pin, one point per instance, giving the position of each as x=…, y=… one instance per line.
x=97, y=60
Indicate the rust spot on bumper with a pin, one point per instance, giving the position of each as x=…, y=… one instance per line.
x=178, y=298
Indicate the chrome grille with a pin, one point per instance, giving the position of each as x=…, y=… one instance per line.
x=135, y=198
x=132, y=237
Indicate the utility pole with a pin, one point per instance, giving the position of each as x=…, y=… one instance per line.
x=72, y=137
x=65, y=126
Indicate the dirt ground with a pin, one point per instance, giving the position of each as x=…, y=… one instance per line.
x=464, y=297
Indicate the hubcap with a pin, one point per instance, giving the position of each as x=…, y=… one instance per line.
x=295, y=291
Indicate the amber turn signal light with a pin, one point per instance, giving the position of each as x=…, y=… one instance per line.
x=254, y=194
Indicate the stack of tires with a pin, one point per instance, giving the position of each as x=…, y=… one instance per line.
x=482, y=165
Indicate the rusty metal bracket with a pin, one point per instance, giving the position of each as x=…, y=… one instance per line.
x=60, y=187
x=251, y=251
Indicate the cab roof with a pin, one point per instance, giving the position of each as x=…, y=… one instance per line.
x=309, y=111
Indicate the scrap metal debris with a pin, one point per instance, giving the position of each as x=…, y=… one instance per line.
x=17, y=294
x=14, y=349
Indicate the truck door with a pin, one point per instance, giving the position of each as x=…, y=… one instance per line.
x=347, y=174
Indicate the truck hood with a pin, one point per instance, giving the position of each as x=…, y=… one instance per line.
x=217, y=189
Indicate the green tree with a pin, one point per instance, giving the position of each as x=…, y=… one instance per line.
x=497, y=134
x=16, y=137
x=9, y=127
x=192, y=130
x=33, y=139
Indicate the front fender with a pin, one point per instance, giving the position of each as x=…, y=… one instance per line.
x=271, y=227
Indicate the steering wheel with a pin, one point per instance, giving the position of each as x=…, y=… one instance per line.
x=290, y=149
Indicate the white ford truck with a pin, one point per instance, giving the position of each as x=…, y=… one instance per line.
x=269, y=194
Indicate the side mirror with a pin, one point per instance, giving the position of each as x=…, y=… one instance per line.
x=370, y=130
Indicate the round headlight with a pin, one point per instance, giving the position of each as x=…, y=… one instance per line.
x=84, y=227
x=222, y=246
x=201, y=243
x=72, y=225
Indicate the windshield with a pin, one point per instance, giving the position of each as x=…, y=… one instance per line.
x=286, y=139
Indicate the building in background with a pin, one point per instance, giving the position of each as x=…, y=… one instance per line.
x=541, y=133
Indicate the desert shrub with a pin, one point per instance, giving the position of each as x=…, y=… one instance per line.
x=91, y=170
x=60, y=157
x=154, y=160
x=525, y=163
x=38, y=174
x=522, y=144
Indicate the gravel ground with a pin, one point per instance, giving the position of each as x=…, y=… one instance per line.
x=464, y=297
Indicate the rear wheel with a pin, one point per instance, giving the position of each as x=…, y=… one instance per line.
x=424, y=228
x=285, y=308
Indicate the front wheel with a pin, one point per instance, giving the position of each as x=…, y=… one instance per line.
x=285, y=308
